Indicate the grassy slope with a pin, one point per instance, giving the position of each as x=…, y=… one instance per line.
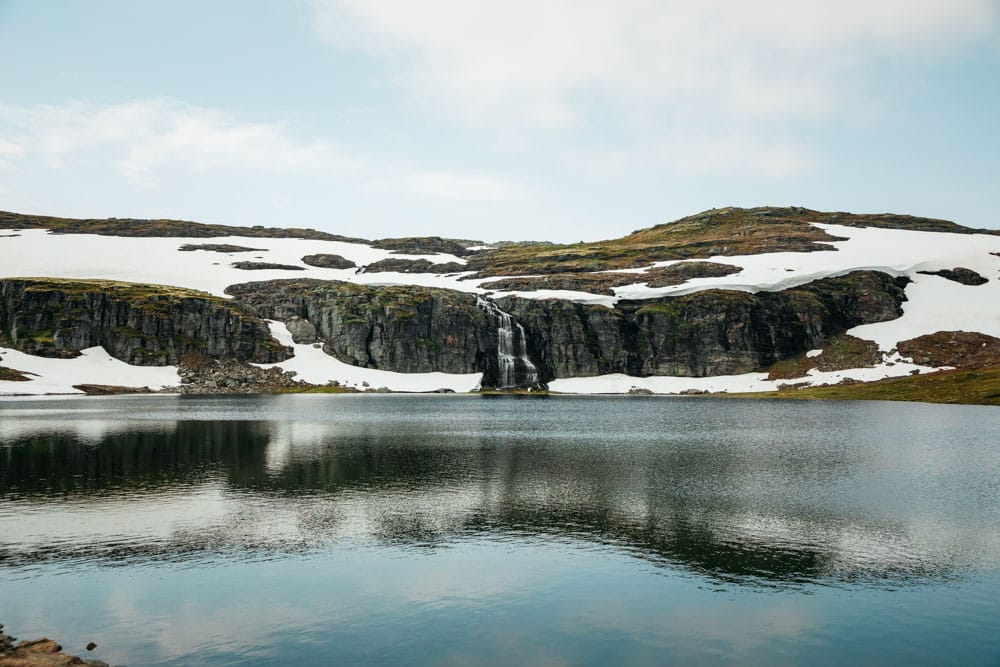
x=971, y=387
x=727, y=231
x=157, y=228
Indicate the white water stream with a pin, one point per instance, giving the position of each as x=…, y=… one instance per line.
x=511, y=347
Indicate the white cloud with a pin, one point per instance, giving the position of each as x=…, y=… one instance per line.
x=165, y=158
x=737, y=69
x=139, y=138
x=772, y=56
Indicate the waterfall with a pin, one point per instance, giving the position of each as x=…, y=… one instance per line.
x=512, y=348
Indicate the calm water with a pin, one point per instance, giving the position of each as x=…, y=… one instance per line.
x=458, y=530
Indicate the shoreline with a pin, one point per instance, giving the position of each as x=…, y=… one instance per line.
x=41, y=652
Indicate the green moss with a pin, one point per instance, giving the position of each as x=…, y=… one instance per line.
x=667, y=309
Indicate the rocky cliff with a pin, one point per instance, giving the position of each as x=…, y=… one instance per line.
x=401, y=328
x=144, y=325
x=715, y=332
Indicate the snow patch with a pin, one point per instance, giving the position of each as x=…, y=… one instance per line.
x=93, y=366
x=745, y=383
x=315, y=366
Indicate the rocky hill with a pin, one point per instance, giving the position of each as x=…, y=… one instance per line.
x=726, y=300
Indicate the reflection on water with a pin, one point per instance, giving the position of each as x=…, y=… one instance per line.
x=758, y=495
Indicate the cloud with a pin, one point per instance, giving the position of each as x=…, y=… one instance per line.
x=141, y=140
x=141, y=137
x=545, y=59
x=740, y=70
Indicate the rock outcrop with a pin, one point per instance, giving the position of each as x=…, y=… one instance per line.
x=400, y=328
x=203, y=375
x=40, y=653
x=960, y=275
x=412, y=266
x=144, y=325
x=714, y=332
x=328, y=261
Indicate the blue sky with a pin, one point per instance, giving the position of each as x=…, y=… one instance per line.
x=561, y=120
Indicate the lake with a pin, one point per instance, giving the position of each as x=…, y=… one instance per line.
x=340, y=529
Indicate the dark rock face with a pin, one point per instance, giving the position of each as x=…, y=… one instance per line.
x=329, y=261
x=400, y=328
x=959, y=274
x=144, y=325
x=714, y=332
x=417, y=329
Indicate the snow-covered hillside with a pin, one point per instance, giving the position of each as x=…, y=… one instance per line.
x=935, y=303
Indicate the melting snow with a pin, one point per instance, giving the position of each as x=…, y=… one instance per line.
x=934, y=304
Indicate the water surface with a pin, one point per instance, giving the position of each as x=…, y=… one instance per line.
x=501, y=530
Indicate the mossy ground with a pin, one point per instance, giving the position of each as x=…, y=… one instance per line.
x=317, y=390
x=978, y=387
x=13, y=375
x=604, y=283
x=839, y=353
x=157, y=228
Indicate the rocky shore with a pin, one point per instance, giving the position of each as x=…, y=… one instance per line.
x=40, y=653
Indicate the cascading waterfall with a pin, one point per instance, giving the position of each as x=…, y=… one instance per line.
x=511, y=348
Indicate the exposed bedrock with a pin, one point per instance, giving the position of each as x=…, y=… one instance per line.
x=401, y=328
x=145, y=325
x=714, y=332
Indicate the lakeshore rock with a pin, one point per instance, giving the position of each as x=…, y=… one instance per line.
x=39, y=653
x=143, y=325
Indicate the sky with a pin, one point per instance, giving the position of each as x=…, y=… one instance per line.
x=560, y=120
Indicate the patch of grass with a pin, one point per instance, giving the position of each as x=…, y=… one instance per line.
x=980, y=387
x=326, y=389
x=13, y=375
x=428, y=343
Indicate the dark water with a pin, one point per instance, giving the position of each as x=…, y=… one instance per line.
x=477, y=530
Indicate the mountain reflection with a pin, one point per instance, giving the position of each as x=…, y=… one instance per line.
x=252, y=489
